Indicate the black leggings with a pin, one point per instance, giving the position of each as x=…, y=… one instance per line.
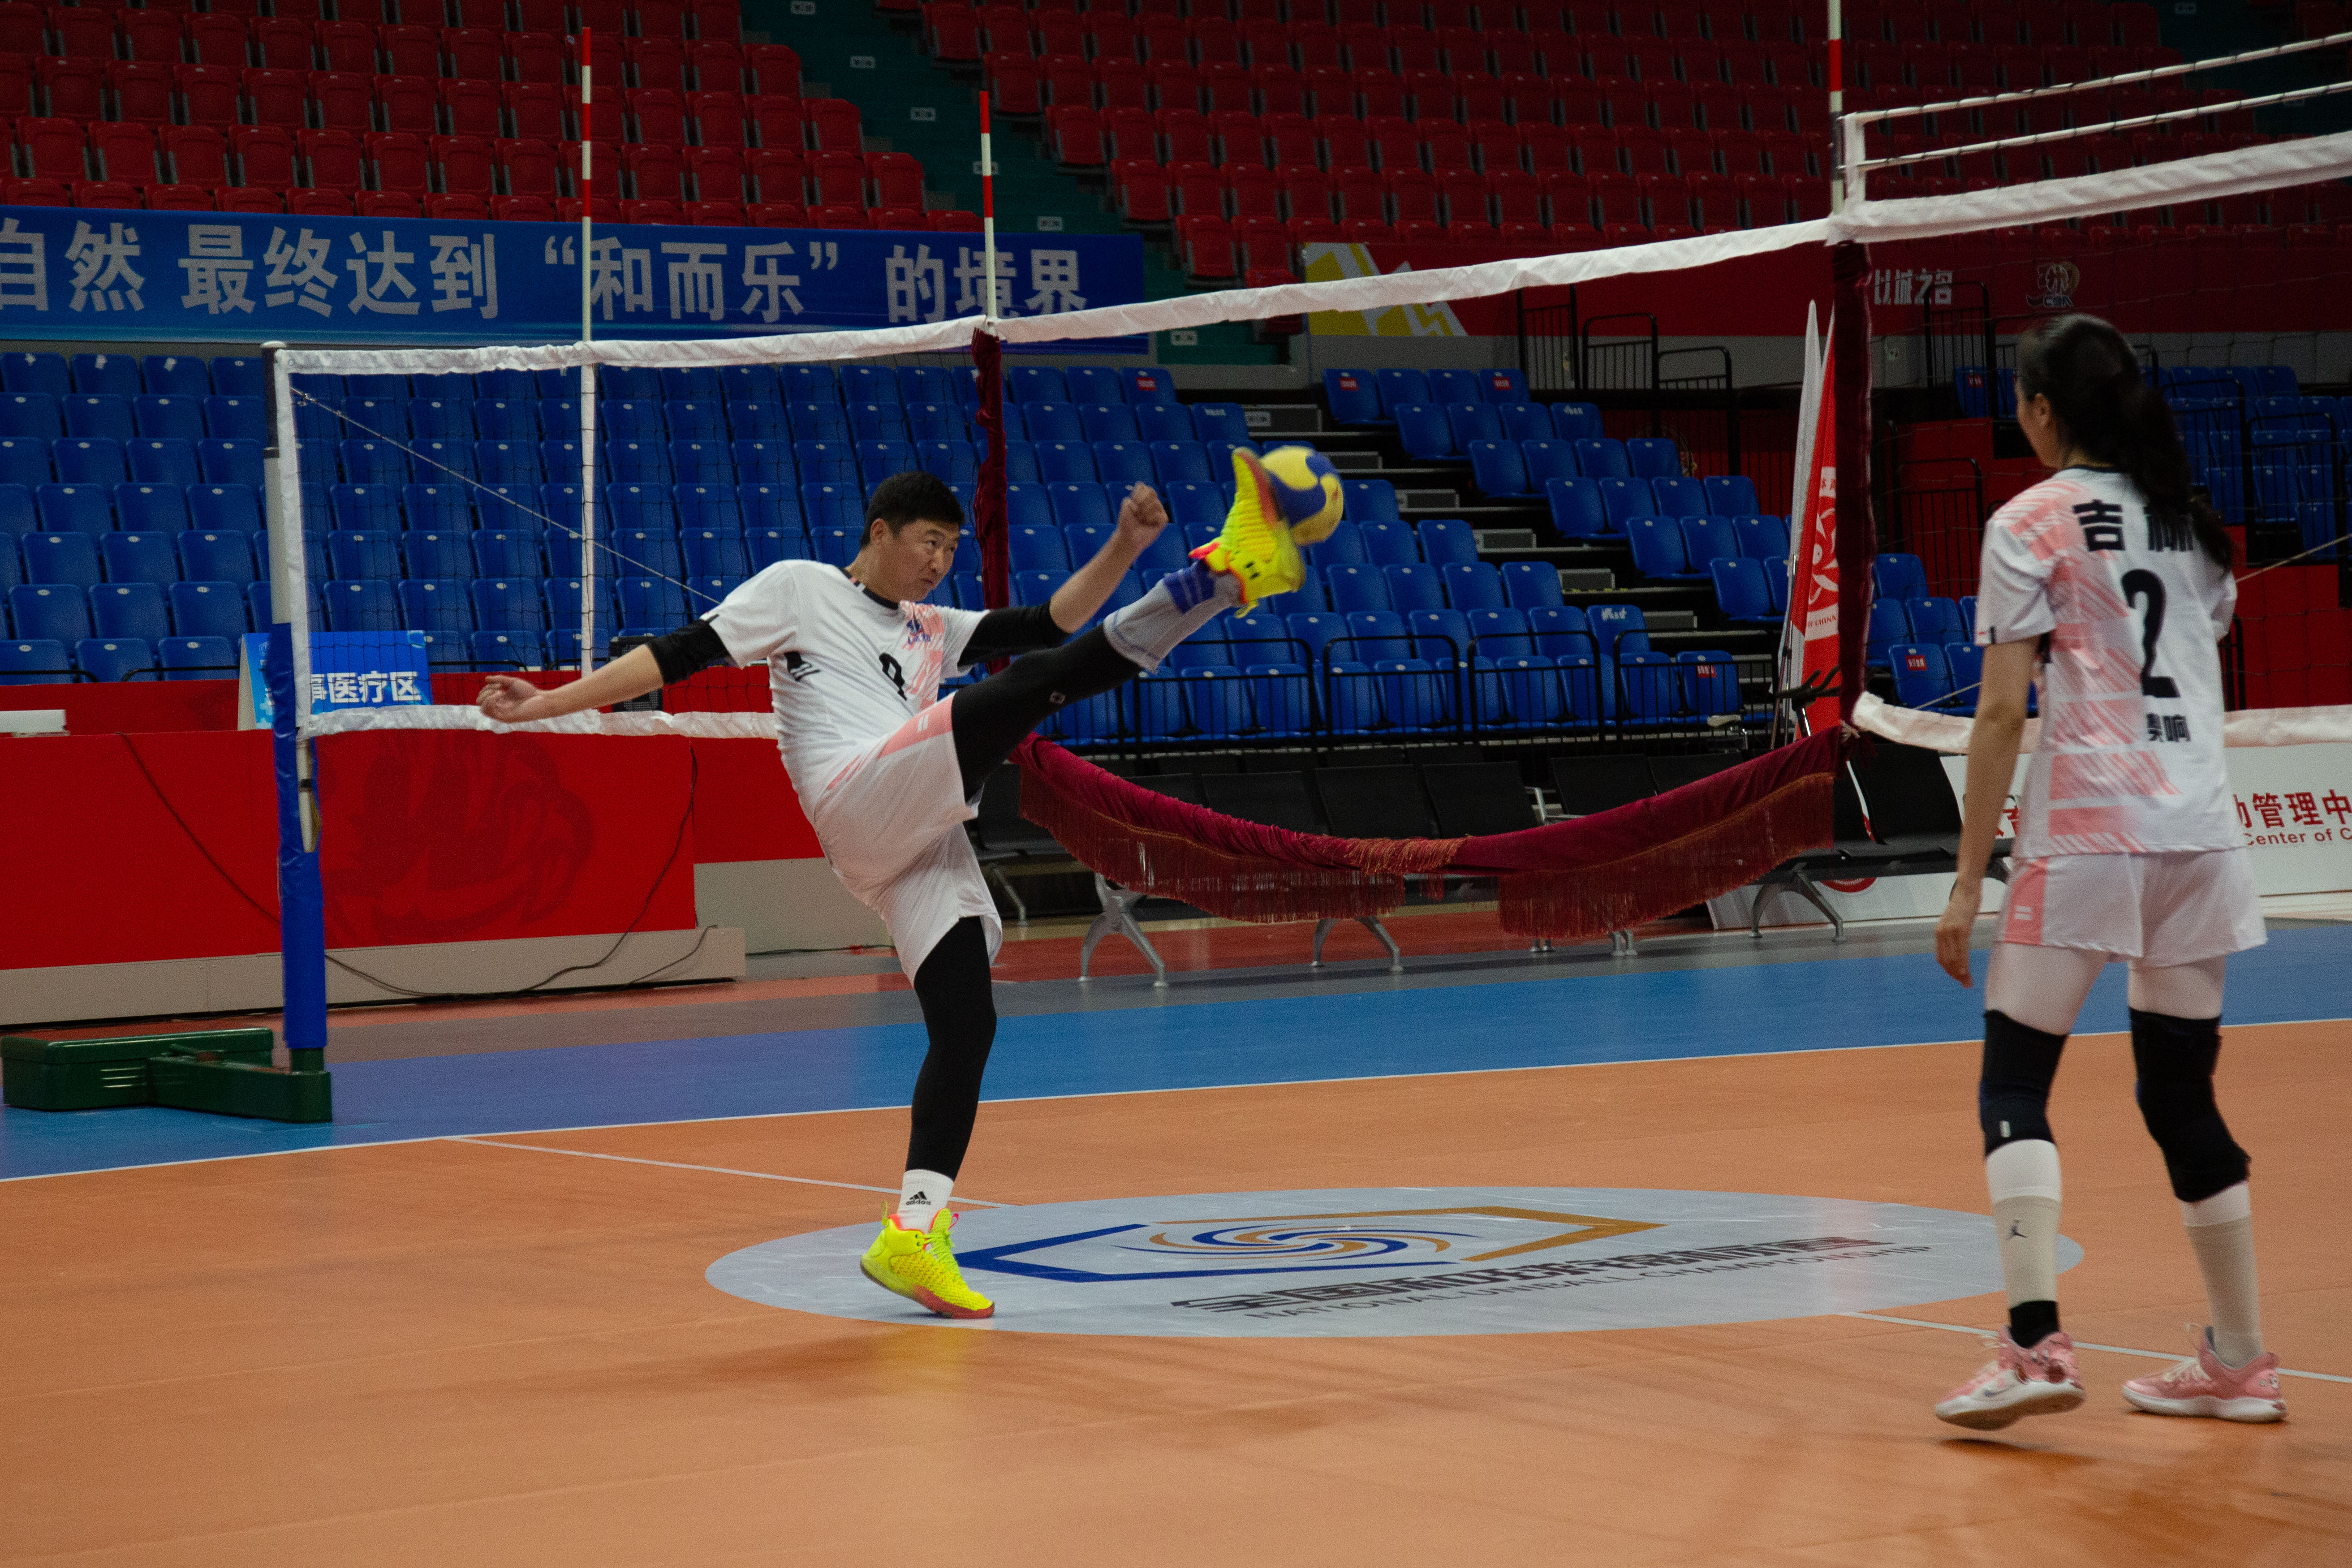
x=990, y=719
x=960, y=1015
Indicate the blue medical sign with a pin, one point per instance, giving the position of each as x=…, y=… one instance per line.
x=348, y=670
x=243, y=277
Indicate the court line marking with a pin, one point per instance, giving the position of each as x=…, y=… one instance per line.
x=2079, y=1345
x=1047, y=1098
x=493, y=1143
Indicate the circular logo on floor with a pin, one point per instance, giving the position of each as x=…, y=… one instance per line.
x=1408, y=1260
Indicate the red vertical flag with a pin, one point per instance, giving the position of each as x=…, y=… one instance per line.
x=1813, y=583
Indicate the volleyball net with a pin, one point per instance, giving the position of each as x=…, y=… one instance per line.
x=600, y=491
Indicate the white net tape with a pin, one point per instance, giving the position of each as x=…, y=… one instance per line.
x=2248, y=727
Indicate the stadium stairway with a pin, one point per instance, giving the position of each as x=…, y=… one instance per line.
x=931, y=111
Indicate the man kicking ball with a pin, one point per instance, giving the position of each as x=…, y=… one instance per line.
x=887, y=770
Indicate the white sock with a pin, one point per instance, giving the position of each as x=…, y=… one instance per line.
x=2024, y=1180
x=2222, y=1234
x=921, y=1195
x=1176, y=607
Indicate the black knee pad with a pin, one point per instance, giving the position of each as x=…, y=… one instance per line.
x=2013, y=1092
x=2174, y=1059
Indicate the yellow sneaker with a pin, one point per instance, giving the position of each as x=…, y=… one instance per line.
x=921, y=1266
x=1256, y=548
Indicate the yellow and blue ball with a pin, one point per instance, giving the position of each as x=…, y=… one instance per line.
x=1308, y=487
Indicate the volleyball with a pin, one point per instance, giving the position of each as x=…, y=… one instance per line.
x=1308, y=489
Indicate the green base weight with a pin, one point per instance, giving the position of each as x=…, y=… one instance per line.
x=225, y=1071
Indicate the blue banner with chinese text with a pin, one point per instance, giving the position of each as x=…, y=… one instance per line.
x=72, y=273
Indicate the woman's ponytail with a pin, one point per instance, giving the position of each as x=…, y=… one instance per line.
x=2110, y=414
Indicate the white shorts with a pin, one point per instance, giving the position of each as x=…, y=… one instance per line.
x=2159, y=910
x=892, y=826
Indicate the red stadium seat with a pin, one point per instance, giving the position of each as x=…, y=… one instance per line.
x=1369, y=231
x=125, y=153
x=198, y=154
x=718, y=118
x=463, y=204
x=1345, y=145
x=1262, y=242
x=213, y=40
x=714, y=214
x=775, y=120
x=654, y=171
x=718, y=174
x=655, y=115
x=272, y=97
x=209, y=94
x=1067, y=79
x=1281, y=92
x=183, y=199
x=1413, y=194
x=1123, y=84
x=76, y=89
x=840, y=217
x=264, y=156
x=832, y=124
x=410, y=50
x=1446, y=147
x=780, y=175
x=465, y=165
x=1228, y=85
x=1359, y=194
x=772, y=68
x=1516, y=196
x=1394, y=141
x=537, y=59
x=1142, y=191
x=346, y=102
x=717, y=65
x=143, y=91
x=1199, y=189
x=319, y=204
x=777, y=214
x=108, y=194
x=530, y=166
x=896, y=179
x=1130, y=134
x=1569, y=198
x=403, y=162
x=1291, y=140
x=474, y=53
x=1240, y=137
x=1206, y=245
x=1306, y=197
x=523, y=209
x=655, y=212
x=1379, y=95
x=656, y=62
x=1185, y=136
x=409, y=103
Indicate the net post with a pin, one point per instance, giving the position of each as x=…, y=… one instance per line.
x=302, y=898
x=587, y=519
x=1856, y=528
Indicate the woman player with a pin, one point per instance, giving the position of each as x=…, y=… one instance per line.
x=2109, y=581
x=886, y=770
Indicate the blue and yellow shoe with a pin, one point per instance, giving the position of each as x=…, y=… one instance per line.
x=1256, y=548
x=921, y=1266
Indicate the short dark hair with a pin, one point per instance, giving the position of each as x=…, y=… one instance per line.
x=912, y=497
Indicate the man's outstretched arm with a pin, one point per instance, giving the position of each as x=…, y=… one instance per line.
x=509, y=700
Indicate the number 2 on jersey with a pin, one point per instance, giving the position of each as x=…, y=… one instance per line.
x=2138, y=584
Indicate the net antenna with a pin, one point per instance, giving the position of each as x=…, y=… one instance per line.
x=587, y=367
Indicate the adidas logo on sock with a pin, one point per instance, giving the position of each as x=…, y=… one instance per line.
x=917, y=1198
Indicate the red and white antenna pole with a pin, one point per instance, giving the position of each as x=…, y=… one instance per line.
x=587, y=180
x=987, y=213
x=1837, y=108
x=588, y=585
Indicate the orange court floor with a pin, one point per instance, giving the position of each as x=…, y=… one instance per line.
x=501, y=1348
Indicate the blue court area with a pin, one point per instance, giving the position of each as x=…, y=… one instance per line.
x=1365, y=1031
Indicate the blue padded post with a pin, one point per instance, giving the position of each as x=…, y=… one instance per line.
x=301, y=897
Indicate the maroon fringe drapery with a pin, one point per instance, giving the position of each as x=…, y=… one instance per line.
x=988, y=525
x=1572, y=880
x=1857, y=530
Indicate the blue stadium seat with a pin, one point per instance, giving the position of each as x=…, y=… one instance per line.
x=117, y=374
x=1473, y=586
x=218, y=609
x=1221, y=422
x=1084, y=540
x=1094, y=383
x=1385, y=543
x=1370, y=500
x=1021, y=462
x=31, y=413
x=1706, y=539
x=70, y=559
x=1356, y=588
x=1124, y=463
x=1548, y=460
x=1353, y=397
x=1762, y=537
x=375, y=384
x=376, y=418
x=1037, y=547
x=1968, y=604
x=1709, y=683
x=511, y=419
x=1531, y=585
x=1440, y=637
x=1649, y=689
x=1148, y=384
x=1035, y=384
x=1036, y=587
x=955, y=460
x=1204, y=647
x=1217, y=701
x=1740, y=592
x=878, y=459
x=25, y=460
x=1423, y=431
x=631, y=419
x=1604, y=459
x=205, y=657
x=1966, y=661
x=765, y=461
x=876, y=422
x=1899, y=576
x=161, y=461
x=634, y=509
x=1498, y=469
x=41, y=373
x=1524, y=421
x=937, y=422
x=52, y=612
x=1414, y=588
x=1576, y=508
x=425, y=552
x=504, y=649
x=1165, y=553
x=1108, y=422
x=18, y=516
x=717, y=506
x=763, y=547
x=1936, y=621
x=1066, y=462
x=1052, y=422
x=1026, y=503
x=374, y=463
x=1679, y=497
x=825, y=462
x=442, y=418
x=1562, y=633
x=1776, y=578
x=1448, y=542
x=1731, y=495
x=96, y=414
x=1175, y=461
x=230, y=463
x=1624, y=499
x=652, y=605
x=1654, y=458
x=637, y=462
x=1402, y=386
x=1473, y=422
x=129, y=610
x=75, y=509
x=1158, y=422
x=701, y=462
x=1890, y=624
x=149, y=558
x=364, y=553
x=210, y=555
x=113, y=658
x=826, y=505
x=506, y=553
x=1922, y=677
x=1079, y=505
x=1194, y=503
x=1658, y=551
x=1576, y=421
x=89, y=461
x=151, y=509
x=1311, y=631
x=362, y=508
x=771, y=506
x=869, y=384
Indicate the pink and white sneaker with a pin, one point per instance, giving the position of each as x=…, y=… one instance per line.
x=2205, y=1385
x=2038, y=1382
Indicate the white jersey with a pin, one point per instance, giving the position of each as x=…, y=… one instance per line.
x=2130, y=758
x=844, y=668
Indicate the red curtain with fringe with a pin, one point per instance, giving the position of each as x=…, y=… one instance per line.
x=1573, y=880
x=988, y=526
